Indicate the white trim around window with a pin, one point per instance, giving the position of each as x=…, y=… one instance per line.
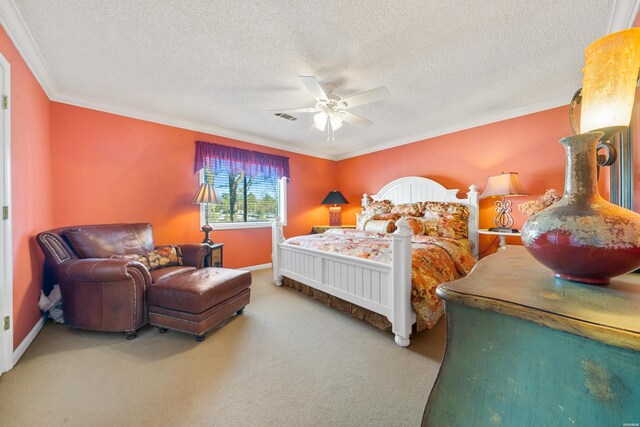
x=282, y=210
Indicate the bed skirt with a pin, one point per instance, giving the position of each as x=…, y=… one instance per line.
x=355, y=311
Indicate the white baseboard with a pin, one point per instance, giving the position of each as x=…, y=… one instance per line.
x=257, y=267
x=26, y=342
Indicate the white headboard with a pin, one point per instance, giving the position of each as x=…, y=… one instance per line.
x=413, y=189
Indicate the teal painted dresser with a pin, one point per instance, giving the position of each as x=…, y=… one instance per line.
x=527, y=349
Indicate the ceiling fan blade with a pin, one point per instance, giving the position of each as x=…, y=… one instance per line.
x=297, y=110
x=314, y=87
x=373, y=95
x=355, y=119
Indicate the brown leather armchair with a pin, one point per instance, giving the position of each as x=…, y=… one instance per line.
x=102, y=293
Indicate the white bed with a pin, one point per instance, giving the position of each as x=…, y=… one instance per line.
x=383, y=289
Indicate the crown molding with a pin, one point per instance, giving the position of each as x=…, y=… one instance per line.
x=622, y=16
x=481, y=121
x=149, y=116
x=17, y=30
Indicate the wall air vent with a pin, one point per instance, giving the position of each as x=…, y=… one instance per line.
x=287, y=117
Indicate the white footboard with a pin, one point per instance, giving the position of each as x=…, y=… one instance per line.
x=381, y=288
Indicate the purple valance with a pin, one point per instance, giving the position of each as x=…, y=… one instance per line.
x=252, y=163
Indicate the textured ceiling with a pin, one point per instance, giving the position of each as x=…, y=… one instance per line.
x=220, y=65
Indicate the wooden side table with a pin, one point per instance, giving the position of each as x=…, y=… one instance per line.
x=527, y=349
x=319, y=229
x=214, y=258
x=503, y=236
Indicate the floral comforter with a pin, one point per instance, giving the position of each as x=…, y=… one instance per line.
x=435, y=260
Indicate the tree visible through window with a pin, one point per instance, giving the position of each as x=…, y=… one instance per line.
x=244, y=199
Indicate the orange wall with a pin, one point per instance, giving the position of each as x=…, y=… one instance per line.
x=31, y=204
x=110, y=168
x=527, y=145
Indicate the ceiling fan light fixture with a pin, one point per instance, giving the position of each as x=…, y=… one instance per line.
x=336, y=122
x=320, y=120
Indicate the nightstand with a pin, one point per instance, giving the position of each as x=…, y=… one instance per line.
x=502, y=234
x=527, y=348
x=214, y=258
x=319, y=229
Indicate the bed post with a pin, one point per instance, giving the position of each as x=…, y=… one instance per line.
x=402, y=318
x=474, y=218
x=277, y=237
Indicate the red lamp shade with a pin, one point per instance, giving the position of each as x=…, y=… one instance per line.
x=335, y=212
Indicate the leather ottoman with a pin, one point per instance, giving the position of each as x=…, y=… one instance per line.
x=198, y=300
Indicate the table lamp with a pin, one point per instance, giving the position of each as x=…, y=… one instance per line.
x=335, y=198
x=206, y=194
x=503, y=185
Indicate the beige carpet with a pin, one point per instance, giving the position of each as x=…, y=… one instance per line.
x=287, y=361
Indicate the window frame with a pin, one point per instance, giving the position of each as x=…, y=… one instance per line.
x=236, y=225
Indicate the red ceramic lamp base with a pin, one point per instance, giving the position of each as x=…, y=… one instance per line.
x=335, y=216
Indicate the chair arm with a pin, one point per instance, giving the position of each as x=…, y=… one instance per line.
x=100, y=270
x=194, y=254
x=104, y=294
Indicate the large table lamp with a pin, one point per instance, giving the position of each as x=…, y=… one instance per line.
x=503, y=185
x=206, y=194
x=335, y=198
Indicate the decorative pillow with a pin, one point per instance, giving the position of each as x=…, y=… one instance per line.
x=409, y=209
x=165, y=256
x=387, y=217
x=379, y=207
x=380, y=226
x=446, y=210
x=442, y=219
x=446, y=227
x=141, y=258
x=416, y=225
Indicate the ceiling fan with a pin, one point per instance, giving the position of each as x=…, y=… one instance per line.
x=331, y=110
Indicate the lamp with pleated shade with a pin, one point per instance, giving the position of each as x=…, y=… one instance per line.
x=505, y=184
x=206, y=195
x=335, y=198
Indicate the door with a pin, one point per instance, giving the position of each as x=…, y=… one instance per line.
x=6, y=261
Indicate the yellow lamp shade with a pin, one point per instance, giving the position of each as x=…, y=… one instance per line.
x=609, y=83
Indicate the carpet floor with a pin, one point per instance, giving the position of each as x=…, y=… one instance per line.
x=287, y=361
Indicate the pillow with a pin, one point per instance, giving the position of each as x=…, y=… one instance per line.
x=380, y=226
x=141, y=258
x=451, y=228
x=442, y=219
x=379, y=207
x=416, y=225
x=387, y=217
x=446, y=210
x=164, y=256
x=409, y=209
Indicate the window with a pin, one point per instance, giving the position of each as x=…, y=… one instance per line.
x=247, y=202
x=251, y=185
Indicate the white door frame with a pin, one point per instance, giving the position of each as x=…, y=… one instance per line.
x=6, y=248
